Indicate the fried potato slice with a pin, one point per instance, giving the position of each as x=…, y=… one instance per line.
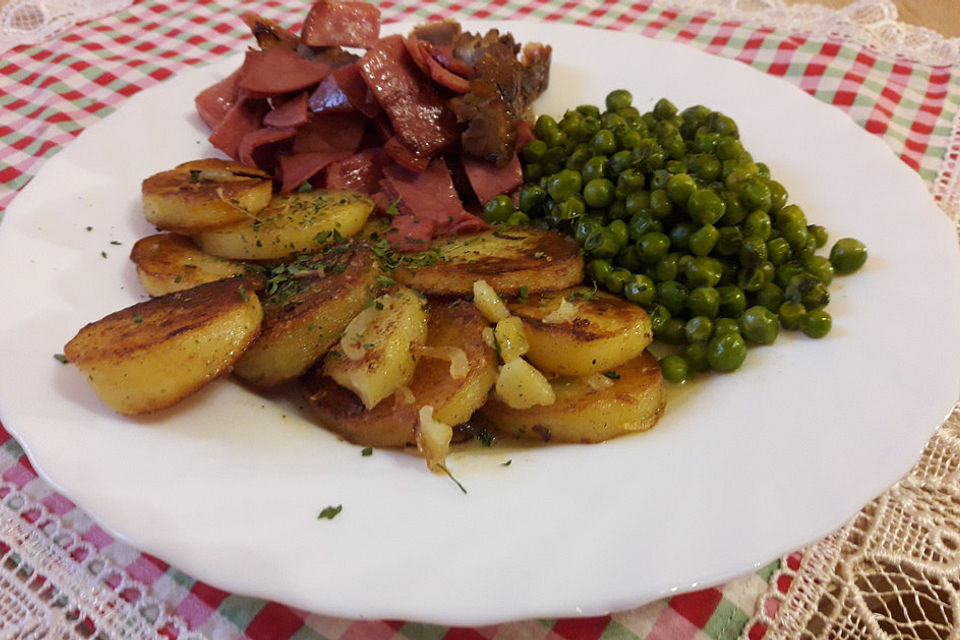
x=168, y=262
x=306, y=309
x=507, y=259
x=204, y=194
x=290, y=224
x=151, y=355
x=376, y=357
x=588, y=408
x=580, y=331
x=454, y=395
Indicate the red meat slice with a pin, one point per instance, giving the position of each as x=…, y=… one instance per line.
x=215, y=101
x=489, y=181
x=420, y=119
x=300, y=167
x=291, y=113
x=279, y=70
x=348, y=24
x=409, y=233
x=243, y=117
x=330, y=132
x=360, y=172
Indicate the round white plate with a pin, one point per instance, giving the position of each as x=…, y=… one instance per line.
x=742, y=468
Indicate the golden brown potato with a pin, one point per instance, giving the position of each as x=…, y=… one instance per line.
x=507, y=259
x=581, y=331
x=290, y=224
x=393, y=422
x=588, y=408
x=312, y=302
x=152, y=354
x=204, y=194
x=168, y=262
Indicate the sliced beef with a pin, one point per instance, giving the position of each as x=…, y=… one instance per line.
x=348, y=24
x=297, y=168
x=278, y=70
x=488, y=181
x=291, y=113
x=361, y=172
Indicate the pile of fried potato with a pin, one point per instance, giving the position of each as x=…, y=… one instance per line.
x=492, y=330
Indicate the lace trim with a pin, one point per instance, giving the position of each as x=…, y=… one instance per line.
x=874, y=23
x=32, y=21
x=894, y=571
x=72, y=592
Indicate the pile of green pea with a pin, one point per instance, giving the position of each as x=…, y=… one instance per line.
x=676, y=216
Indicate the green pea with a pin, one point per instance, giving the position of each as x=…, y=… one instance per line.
x=673, y=295
x=786, y=272
x=668, y=267
x=674, y=369
x=733, y=301
x=751, y=279
x=778, y=251
x=807, y=290
x=696, y=355
x=759, y=325
x=620, y=161
x=816, y=323
x=778, y=195
x=703, y=271
x=796, y=235
x=757, y=224
x=637, y=202
x=704, y=301
x=583, y=227
x=652, y=246
x=660, y=205
x=604, y=142
x=770, y=296
x=642, y=223
x=641, y=290
x=673, y=331
x=788, y=214
x=589, y=110
x=616, y=280
x=564, y=184
x=554, y=160
x=706, y=167
x=598, y=270
x=599, y=193
x=848, y=255
x=602, y=243
x=498, y=209
x=629, y=259
x=594, y=168
x=734, y=213
x=545, y=123
x=679, y=188
x=664, y=109
x=819, y=233
x=753, y=252
x=658, y=314
x=702, y=241
x=532, y=196
x=726, y=352
x=630, y=180
x=705, y=206
x=660, y=179
x=533, y=151
x=756, y=196
x=820, y=267
x=698, y=329
x=791, y=313
x=518, y=219
x=680, y=234
x=729, y=148
x=725, y=325
x=578, y=158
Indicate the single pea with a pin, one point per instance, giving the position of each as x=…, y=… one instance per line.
x=816, y=323
x=578, y=158
x=673, y=331
x=722, y=124
x=796, y=235
x=698, y=329
x=791, y=313
x=675, y=369
x=806, y=289
x=703, y=271
x=518, y=219
x=642, y=223
x=778, y=195
x=788, y=214
x=618, y=228
x=629, y=259
x=819, y=233
x=532, y=171
x=660, y=179
x=616, y=280
x=598, y=270
x=726, y=352
x=729, y=241
x=705, y=141
x=637, y=202
x=659, y=314
x=778, y=251
x=556, y=137
x=664, y=109
x=652, y=246
x=734, y=213
x=679, y=188
x=532, y=196
x=725, y=325
x=613, y=121
x=704, y=166
x=673, y=295
x=770, y=296
x=554, y=160
x=733, y=301
x=630, y=180
x=756, y=196
x=703, y=240
x=757, y=224
x=668, y=267
x=604, y=142
x=729, y=148
x=498, y=209
x=599, y=193
x=533, y=151
x=680, y=234
x=595, y=167
x=641, y=290
x=696, y=355
x=820, y=267
x=660, y=205
x=753, y=252
x=601, y=243
x=769, y=271
x=786, y=272
x=750, y=279
x=589, y=110
x=583, y=227
x=620, y=161
x=704, y=301
x=544, y=124
x=570, y=209
x=848, y=255
x=705, y=206
x=759, y=325
x=564, y=184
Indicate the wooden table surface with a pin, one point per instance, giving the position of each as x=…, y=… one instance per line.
x=939, y=15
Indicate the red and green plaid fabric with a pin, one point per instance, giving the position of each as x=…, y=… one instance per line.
x=51, y=92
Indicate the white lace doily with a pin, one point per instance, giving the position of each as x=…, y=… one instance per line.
x=33, y=21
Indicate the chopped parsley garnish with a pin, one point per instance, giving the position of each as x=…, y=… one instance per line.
x=243, y=293
x=613, y=375
x=59, y=357
x=331, y=512
x=367, y=451
x=507, y=463
x=484, y=436
x=137, y=318
x=523, y=293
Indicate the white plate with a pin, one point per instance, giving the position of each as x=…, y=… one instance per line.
x=228, y=486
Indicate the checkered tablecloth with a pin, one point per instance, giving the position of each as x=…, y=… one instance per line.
x=50, y=92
